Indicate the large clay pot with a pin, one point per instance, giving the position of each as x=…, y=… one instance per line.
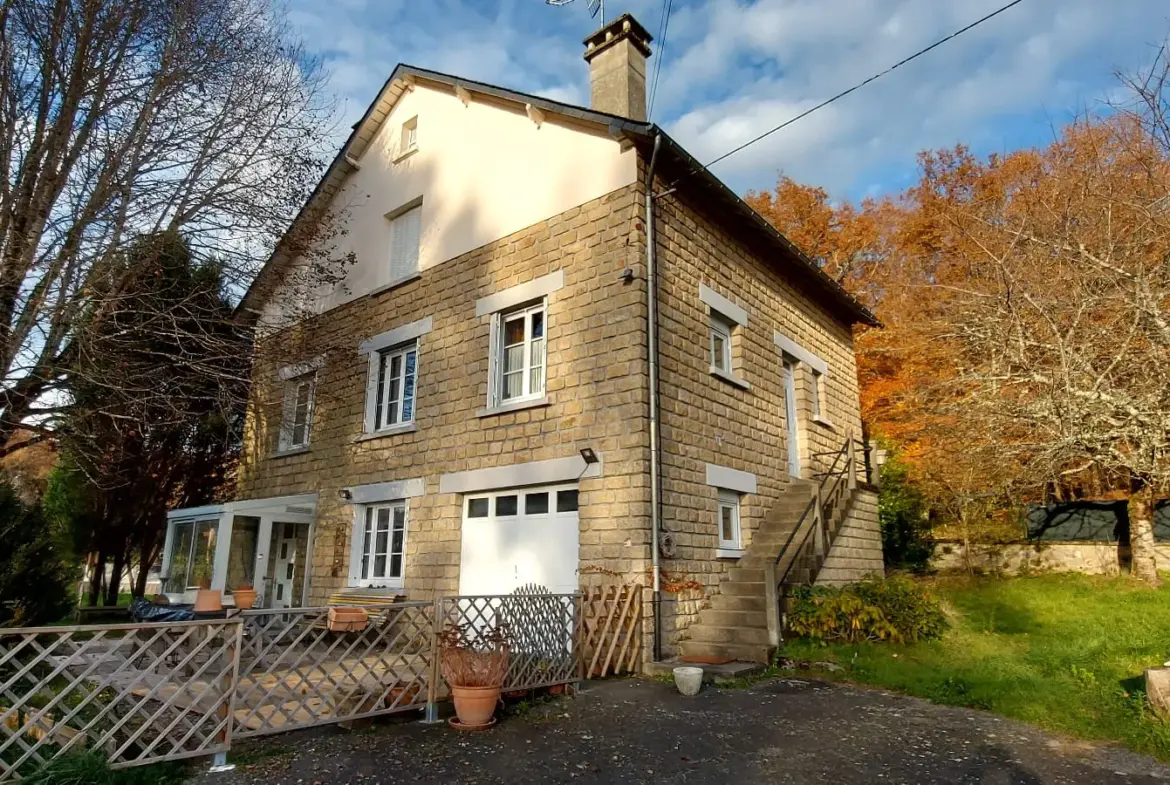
x=208, y=601
x=475, y=705
x=245, y=597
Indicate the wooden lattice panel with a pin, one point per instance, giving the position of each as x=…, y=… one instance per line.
x=612, y=629
x=296, y=673
x=138, y=693
x=543, y=628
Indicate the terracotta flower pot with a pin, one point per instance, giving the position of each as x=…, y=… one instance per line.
x=475, y=705
x=208, y=601
x=245, y=597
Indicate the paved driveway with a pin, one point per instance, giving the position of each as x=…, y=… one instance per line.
x=783, y=731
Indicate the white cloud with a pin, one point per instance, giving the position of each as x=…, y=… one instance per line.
x=734, y=68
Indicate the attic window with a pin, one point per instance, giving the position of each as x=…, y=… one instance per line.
x=409, y=136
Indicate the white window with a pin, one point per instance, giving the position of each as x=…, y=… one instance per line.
x=296, y=423
x=405, y=231
x=393, y=375
x=381, y=545
x=728, y=521
x=518, y=354
x=818, y=384
x=410, y=135
x=720, y=344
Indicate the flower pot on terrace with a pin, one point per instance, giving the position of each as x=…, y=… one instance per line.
x=475, y=705
x=245, y=597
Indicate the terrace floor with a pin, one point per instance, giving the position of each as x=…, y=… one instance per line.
x=632, y=731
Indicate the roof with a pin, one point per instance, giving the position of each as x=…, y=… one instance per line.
x=733, y=208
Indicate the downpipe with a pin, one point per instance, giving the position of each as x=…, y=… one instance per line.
x=652, y=353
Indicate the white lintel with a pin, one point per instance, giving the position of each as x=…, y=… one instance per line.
x=403, y=334
x=521, y=293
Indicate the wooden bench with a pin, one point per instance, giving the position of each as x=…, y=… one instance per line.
x=97, y=614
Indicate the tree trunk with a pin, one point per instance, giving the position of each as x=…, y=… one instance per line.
x=1144, y=564
x=98, y=571
x=115, y=584
x=144, y=563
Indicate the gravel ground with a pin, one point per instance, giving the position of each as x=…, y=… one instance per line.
x=779, y=731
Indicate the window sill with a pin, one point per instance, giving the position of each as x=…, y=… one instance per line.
x=403, y=156
x=824, y=422
x=394, y=284
x=535, y=403
x=729, y=553
x=291, y=452
x=409, y=427
x=730, y=378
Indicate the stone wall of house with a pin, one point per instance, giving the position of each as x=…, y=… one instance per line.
x=1091, y=558
x=706, y=419
x=857, y=551
x=596, y=386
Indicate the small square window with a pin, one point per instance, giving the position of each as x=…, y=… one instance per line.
x=410, y=135
x=727, y=520
x=477, y=508
x=535, y=503
x=720, y=345
x=506, y=505
x=566, y=501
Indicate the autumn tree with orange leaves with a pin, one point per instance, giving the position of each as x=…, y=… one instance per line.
x=1027, y=304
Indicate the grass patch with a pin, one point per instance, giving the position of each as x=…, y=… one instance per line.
x=90, y=768
x=1065, y=652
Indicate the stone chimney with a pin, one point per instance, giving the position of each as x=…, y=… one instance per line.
x=617, y=67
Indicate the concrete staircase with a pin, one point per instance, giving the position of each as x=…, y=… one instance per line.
x=742, y=622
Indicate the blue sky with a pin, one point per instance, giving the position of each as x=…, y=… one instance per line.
x=734, y=68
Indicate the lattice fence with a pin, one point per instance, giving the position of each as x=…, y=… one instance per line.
x=544, y=630
x=611, y=638
x=296, y=673
x=139, y=694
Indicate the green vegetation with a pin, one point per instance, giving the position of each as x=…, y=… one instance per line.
x=1065, y=652
x=90, y=768
x=892, y=609
x=907, y=539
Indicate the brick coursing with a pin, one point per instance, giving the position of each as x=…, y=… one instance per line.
x=596, y=386
x=706, y=419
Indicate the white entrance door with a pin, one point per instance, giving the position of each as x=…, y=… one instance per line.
x=286, y=564
x=519, y=537
x=789, y=373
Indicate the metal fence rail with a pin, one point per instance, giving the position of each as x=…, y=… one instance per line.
x=144, y=693
x=296, y=673
x=138, y=693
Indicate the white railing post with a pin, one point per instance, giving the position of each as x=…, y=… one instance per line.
x=772, y=604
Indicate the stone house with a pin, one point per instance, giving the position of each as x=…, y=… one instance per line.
x=472, y=407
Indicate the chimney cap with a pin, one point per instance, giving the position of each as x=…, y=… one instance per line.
x=624, y=27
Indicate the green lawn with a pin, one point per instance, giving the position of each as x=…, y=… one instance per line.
x=1064, y=652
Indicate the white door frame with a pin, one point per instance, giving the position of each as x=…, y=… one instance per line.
x=788, y=371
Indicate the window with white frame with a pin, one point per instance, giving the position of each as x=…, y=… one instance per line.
x=409, y=135
x=381, y=541
x=519, y=354
x=405, y=234
x=393, y=375
x=720, y=343
x=817, y=392
x=296, y=422
x=728, y=521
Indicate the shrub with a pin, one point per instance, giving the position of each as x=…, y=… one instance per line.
x=893, y=609
x=907, y=539
x=34, y=575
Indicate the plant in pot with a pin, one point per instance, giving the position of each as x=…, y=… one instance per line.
x=474, y=663
x=245, y=596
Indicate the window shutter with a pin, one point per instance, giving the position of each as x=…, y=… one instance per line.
x=494, y=361
x=287, y=415
x=405, y=233
x=371, y=393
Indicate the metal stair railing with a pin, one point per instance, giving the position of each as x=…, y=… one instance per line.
x=832, y=485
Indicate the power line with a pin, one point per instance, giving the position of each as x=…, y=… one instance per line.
x=844, y=93
x=663, y=27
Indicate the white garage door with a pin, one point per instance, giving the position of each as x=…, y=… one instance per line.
x=520, y=537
